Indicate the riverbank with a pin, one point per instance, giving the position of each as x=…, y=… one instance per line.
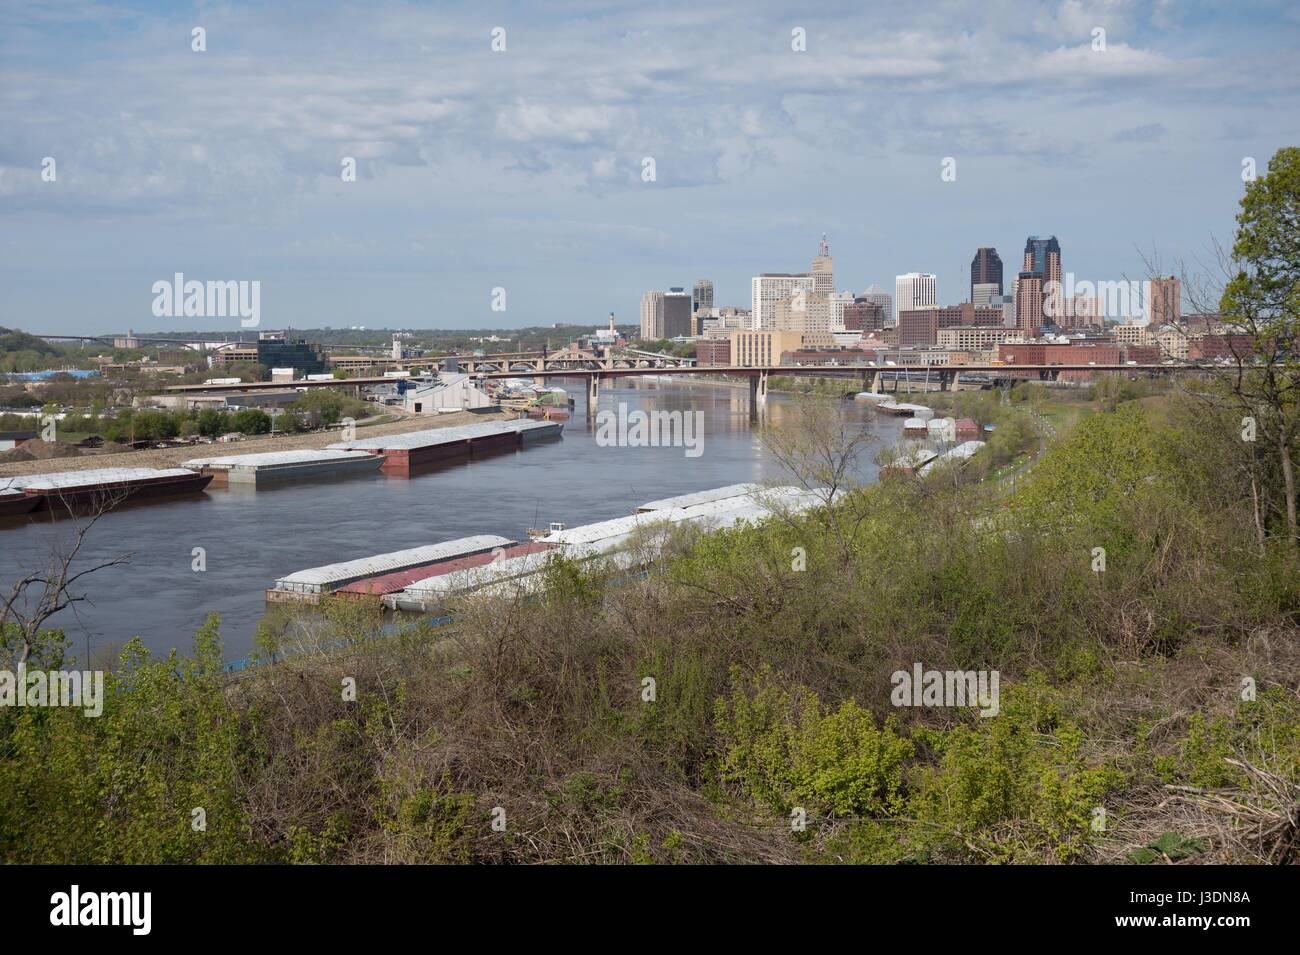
x=172, y=457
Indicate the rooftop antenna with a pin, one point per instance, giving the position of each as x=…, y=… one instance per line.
x=825, y=249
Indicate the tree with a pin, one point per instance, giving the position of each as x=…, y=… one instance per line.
x=39, y=594
x=1263, y=299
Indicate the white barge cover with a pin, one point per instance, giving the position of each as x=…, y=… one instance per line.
x=316, y=580
x=92, y=476
x=436, y=436
x=700, y=497
x=270, y=459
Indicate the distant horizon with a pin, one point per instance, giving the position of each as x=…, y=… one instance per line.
x=392, y=168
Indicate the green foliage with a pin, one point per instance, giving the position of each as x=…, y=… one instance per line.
x=1169, y=846
x=786, y=751
x=1012, y=787
x=122, y=787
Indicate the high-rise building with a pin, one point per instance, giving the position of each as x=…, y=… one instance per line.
x=1039, y=278
x=1166, y=305
x=703, y=297
x=1043, y=258
x=914, y=290
x=985, y=275
x=878, y=296
x=823, y=270
x=1029, y=301
x=678, y=320
x=652, y=316
x=814, y=317
x=666, y=314
x=771, y=287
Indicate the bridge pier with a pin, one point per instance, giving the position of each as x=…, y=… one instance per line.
x=757, y=395
x=593, y=394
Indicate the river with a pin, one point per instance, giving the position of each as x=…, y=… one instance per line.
x=251, y=538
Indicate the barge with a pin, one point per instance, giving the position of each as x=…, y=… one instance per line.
x=405, y=452
x=903, y=410
x=700, y=497
x=308, y=586
x=14, y=501
x=109, y=486
x=624, y=543
x=278, y=467
x=401, y=579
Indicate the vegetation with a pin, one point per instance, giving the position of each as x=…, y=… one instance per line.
x=1137, y=598
x=1121, y=696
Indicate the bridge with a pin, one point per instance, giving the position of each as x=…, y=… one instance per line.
x=872, y=376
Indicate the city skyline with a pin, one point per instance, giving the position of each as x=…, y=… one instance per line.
x=225, y=164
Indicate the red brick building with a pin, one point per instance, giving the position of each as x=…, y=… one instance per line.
x=712, y=352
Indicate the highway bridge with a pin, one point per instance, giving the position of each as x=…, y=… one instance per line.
x=872, y=377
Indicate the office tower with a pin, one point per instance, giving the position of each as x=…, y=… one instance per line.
x=1166, y=305
x=771, y=287
x=913, y=290
x=985, y=275
x=703, y=296
x=1043, y=258
x=862, y=315
x=678, y=320
x=878, y=296
x=823, y=270
x=652, y=316
x=1029, y=301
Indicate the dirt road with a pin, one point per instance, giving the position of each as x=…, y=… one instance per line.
x=172, y=457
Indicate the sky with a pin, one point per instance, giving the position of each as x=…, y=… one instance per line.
x=523, y=168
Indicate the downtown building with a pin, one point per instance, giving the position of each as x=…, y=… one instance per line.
x=875, y=295
x=1041, y=267
x=666, y=315
x=919, y=327
x=702, y=296
x=770, y=288
x=985, y=276
x=914, y=290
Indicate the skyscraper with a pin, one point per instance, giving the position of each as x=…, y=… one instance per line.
x=1039, y=278
x=652, y=316
x=823, y=270
x=678, y=320
x=1029, y=301
x=666, y=314
x=1043, y=258
x=1166, y=306
x=878, y=296
x=703, y=297
x=985, y=275
x=914, y=290
x=768, y=289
